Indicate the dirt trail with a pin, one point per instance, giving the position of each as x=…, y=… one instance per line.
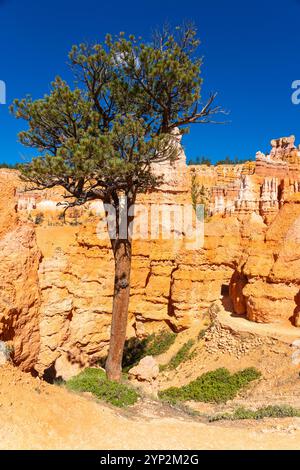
x=36, y=415
x=286, y=333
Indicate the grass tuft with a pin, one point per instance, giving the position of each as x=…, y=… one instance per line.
x=217, y=386
x=94, y=381
x=270, y=411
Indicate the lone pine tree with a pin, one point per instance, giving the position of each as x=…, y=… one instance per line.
x=99, y=140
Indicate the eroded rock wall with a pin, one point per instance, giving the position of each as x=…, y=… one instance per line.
x=19, y=285
x=267, y=280
x=56, y=279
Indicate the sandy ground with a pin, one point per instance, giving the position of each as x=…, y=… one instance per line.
x=36, y=415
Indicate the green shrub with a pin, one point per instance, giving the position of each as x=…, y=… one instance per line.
x=202, y=334
x=217, y=386
x=153, y=345
x=244, y=377
x=94, y=381
x=270, y=411
x=159, y=343
x=181, y=356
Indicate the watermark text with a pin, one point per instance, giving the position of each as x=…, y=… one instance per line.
x=2, y=92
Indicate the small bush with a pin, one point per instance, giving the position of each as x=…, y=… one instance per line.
x=271, y=411
x=155, y=344
x=159, y=343
x=202, y=334
x=94, y=381
x=216, y=386
x=244, y=377
x=181, y=356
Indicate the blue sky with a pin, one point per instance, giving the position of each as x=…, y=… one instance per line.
x=250, y=49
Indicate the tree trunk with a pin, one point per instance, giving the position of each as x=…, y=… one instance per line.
x=122, y=255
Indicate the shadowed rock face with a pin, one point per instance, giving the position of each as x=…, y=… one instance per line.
x=56, y=280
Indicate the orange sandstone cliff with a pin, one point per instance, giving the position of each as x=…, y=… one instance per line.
x=56, y=277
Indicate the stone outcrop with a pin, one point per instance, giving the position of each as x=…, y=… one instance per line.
x=145, y=375
x=283, y=148
x=221, y=339
x=4, y=353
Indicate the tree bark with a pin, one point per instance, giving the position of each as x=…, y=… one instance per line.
x=122, y=254
x=122, y=249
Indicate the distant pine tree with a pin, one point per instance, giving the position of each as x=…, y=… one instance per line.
x=8, y=165
x=200, y=161
x=232, y=161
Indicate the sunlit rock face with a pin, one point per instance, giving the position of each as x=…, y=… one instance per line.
x=175, y=174
x=268, y=269
x=19, y=286
x=56, y=278
x=261, y=186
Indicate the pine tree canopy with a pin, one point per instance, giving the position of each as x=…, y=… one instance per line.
x=101, y=137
